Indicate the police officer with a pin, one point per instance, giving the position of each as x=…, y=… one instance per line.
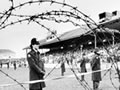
x=82, y=66
x=95, y=65
x=36, y=66
x=62, y=65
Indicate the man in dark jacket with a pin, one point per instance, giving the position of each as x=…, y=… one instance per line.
x=62, y=65
x=95, y=65
x=82, y=66
x=36, y=66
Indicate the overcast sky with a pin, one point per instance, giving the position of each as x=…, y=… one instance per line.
x=18, y=36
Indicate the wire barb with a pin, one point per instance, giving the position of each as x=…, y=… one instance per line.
x=73, y=16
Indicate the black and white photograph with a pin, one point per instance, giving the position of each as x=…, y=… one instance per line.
x=59, y=45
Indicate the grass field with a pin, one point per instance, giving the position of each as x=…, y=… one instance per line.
x=71, y=83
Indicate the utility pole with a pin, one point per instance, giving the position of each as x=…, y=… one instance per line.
x=113, y=39
x=95, y=41
x=81, y=49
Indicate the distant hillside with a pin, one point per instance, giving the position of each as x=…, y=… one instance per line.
x=6, y=53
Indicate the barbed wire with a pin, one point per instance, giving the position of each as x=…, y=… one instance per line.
x=78, y=79
x=112, y=80
x=13, y=79
x=53, y=15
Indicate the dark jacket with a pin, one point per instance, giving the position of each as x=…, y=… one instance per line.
x=83, y=65
x=36, y=67
x=62, y=65
x=95, y=65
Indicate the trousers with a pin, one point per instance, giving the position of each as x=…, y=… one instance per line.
x=95, y=85
x=36, y=89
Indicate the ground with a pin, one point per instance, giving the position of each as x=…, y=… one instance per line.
x=70, y=83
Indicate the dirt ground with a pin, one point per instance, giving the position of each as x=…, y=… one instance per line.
x=109, y=80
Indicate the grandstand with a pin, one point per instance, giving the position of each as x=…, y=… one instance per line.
x=83, y=36
x=76, y=38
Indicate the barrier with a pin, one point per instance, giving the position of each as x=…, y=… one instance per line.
x=56, y=78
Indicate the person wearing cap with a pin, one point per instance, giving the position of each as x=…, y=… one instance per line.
x=83, y=66
x=95, y=66
x=36, y=66
x=62, y=65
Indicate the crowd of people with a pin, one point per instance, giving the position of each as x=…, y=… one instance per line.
x=13, y=63
x=93, y=56
x=74, y=56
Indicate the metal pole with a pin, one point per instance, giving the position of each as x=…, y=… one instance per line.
x=26, y=52
x=95, y=41
x=113, y=39
x=81, y=47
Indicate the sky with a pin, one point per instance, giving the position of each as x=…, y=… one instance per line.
x=18, y=36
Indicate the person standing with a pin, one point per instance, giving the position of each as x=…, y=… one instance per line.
x=14, y=64
x=62, y=65
x=83, y=66
x=95, y=65
x=36, y=66
x=8, y=66
x=0, y=64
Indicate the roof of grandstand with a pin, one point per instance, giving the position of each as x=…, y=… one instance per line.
x=82, y=35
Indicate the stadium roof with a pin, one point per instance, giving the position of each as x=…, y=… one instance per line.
x=113, y=23
x=65, y=36
x=68, y=37
x=78, y=36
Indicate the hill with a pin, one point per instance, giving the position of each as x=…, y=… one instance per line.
x=6, y=53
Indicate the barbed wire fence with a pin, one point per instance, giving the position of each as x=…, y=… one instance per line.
x=66, y=14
